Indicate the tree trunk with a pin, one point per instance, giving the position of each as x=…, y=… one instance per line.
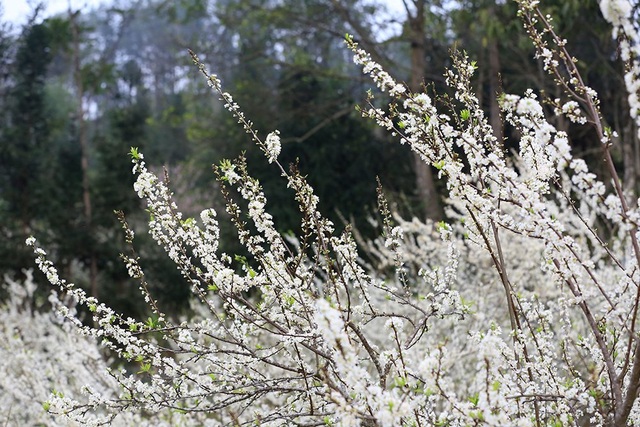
x=84, y=150
x=495, y=118
x=427, y=193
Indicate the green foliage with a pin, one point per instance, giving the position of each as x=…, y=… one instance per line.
x=25, y=142
x=113, y=181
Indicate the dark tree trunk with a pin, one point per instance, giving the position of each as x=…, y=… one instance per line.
x=427, y=193
x=84, y=151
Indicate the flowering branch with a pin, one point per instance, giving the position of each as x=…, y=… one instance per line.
x=517, y=311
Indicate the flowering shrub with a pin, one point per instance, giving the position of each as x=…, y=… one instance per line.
x=518, y=311
x=41, y=355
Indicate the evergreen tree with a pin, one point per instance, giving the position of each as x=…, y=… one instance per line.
x=23, y=151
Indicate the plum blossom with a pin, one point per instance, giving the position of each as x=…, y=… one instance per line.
x=519, y=309
x=273, y=146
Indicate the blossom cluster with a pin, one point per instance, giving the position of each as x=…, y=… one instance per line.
x=542, y=205
x=519, y=310
x=619, y=13
x=44, y=362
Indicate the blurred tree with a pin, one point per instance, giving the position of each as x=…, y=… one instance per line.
x=83, y=139
x=25, y=138
x=291, y=72
x=423, y=26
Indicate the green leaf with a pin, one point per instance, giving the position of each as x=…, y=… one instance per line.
x=442, y=225
x=225, y=164
x=400, y=382
x=144, y=368
x=133, y=152
x=474, y=399
x=152, y=323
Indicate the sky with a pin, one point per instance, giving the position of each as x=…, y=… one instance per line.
x=16, y=11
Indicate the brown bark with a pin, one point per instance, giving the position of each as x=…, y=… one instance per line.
x=495, y=118
x=425, y=183
x=84, y=151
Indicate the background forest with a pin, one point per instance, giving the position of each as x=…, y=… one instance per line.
x=79, y=89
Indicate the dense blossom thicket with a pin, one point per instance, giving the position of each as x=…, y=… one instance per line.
x=521, y=309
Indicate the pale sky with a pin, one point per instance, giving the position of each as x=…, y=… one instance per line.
x=16, y=11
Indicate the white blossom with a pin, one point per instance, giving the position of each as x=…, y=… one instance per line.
x=273, y=145
x=518, y=310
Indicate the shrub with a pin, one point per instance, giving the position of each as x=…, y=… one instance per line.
x=518, y=311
